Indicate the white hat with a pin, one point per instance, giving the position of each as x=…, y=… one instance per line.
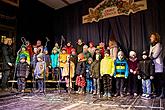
x=132, y=53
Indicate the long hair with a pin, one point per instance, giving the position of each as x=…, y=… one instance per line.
x=157, y=37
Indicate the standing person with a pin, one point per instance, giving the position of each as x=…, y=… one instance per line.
x=107, y=71
x=113, y=48
x=68, y=48
x=80, y=72
x=89, y=85
x=133, y=76
x=155, y=54
x=47, y=61
x=95, y=71
x=39, y=72
x=79, y=47
x=29, y=48
x=7, y=64
x=86, y=53
x=121, y=73
x=146, y=72
x=91, y=48
x=22, y=70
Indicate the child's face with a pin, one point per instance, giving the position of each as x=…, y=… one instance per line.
x=46, y=52
x=89, y=61
x=144, y=56
x=106, y=55
x=39, y=59
x=63, y=51
x=22, y=60
x=23, y=49
x=85, y=49
x=152, y=38
x=79, y=42
x=68, y=44
x=120, y=56
x=90, y=45
x=54, y=51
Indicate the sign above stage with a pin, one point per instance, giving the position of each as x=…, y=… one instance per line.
x=111, y=8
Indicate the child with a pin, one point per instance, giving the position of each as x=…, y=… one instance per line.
x=54, y=63
x=79, y=47
x=132, y=78
x=22, y=69
x=107, y=71
x=86, y=53
x=69, y=48
x=68, y=72
x=89, y=86
x=146, y=72
x=39, y=72
x=80, y=71
x=91, y=48
x=47, y=60
x=95, y=71
x=121, y=73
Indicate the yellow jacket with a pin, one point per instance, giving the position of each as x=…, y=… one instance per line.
x=107, y=66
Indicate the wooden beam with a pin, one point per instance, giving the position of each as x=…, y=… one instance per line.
x=12, y=3
x=66, y=2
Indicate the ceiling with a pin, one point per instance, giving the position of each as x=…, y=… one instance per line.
x=57, y=4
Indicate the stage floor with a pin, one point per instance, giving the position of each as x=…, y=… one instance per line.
x=64, y=101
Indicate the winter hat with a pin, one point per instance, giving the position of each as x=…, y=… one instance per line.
x=132, y=53
x=106, y=52
x=145, y=53
x=85, y=46
x=90, y=59
x=120, y=53
x=45, y=49
x=22, y=56
x=40, y=55
x=23, y=46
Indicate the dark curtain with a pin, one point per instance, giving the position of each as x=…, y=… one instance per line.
x=131, y=32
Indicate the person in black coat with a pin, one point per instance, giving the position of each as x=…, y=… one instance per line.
x=7, y=58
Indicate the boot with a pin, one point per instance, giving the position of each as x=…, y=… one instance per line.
x=162, y=94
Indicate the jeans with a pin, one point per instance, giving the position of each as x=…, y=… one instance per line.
x=5, y=76
x=96, y=84
x=120, y=85
x=89, y=86
x=107, y=82
x=40, y=84
x=21, y=83
x=146, y=86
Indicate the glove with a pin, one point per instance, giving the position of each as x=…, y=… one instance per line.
x=139, y=77
x=87, y=70
x=131, y=70
x=10, y=64
x=151, y=77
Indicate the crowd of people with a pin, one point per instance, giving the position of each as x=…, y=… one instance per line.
x=95, y=69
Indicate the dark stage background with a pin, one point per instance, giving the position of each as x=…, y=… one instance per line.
x=36, y=21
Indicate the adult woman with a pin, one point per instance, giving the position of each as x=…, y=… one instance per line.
x=156, y=55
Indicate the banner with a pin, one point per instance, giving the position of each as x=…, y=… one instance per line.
x=111, y=8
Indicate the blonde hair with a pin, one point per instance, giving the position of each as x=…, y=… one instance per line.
x=157, y=36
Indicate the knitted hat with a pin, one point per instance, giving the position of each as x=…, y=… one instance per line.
x=132, y=53
x=40, y=55
x=145, y=53
x=90, y=59
x=45, y=49
x=22, y=56
x=120, y=53
x=85, y=46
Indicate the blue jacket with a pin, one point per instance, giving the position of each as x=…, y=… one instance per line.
x=88, y=71
x=54, y=60
x=121, y=68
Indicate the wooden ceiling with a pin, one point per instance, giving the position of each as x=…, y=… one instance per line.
x=57, y=4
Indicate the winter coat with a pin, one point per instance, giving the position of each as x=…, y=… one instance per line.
x=88, y=71
x=40, y=69
x=121, y=68
x=47, y=59
x=146, y=68
x=34, y=61
x=62, y=59
x=95, y=69
x=6, y=57
x=107, y=66
x=87, y=55
x=80, y=70
x=156, y=55
x=22, y=70
x=79, y=48
x=54, y=60
x=133, y=64
x=69, y=49
x=65, y=71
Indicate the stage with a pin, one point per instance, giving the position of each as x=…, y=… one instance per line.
x=59, y=100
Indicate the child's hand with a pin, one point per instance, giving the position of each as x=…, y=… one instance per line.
x=139, y=77
x=131, y=70
x=151, y=77
x=80, y=76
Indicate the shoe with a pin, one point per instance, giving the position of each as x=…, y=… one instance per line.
x=128, y=93
x=91, y=92
x=121, y=95
x=105, y=94
x=98, y=92
x=109, y=94
x=94, y=92
x=148, y=96
x=117, y=94
x=143, y=95
x=135, y=94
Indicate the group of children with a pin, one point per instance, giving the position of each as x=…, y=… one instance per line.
x=91, y=66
